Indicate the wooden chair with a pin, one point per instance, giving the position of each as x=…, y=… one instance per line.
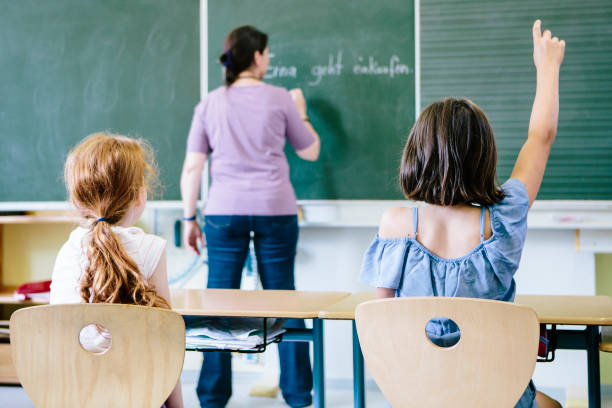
x=490, y=366
x=140, y=369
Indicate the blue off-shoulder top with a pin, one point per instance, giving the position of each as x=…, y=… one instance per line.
x=485, y=272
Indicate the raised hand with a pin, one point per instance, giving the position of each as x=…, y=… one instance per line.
x=548, y=51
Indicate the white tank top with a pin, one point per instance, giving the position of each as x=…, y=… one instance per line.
x=71, y=261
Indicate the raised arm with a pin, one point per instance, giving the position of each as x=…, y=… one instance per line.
x=311, y=153
x=548, y=54
x=190, y=187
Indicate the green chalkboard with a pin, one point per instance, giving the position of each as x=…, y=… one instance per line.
x=482, y=49
x=72, y=67
x=362, y=110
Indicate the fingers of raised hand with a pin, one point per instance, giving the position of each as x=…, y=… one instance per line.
x=545, y=46
x=555, y=44
x=547, y=36
x=537, y=30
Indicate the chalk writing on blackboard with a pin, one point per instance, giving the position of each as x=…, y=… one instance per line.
x=280, y=71
x=333, y=67
x=391, y=67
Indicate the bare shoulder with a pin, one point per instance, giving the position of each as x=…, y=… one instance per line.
x=396, y=222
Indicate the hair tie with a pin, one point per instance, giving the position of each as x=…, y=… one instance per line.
x=102, y=219
x=228, y=59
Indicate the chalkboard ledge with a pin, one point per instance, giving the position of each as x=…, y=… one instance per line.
x=553, y=214
x=564, y=215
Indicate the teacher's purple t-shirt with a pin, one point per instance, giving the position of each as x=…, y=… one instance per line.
x=244, y=130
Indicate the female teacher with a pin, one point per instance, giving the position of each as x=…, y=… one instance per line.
x=243, y=127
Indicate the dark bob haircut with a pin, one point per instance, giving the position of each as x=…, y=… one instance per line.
x=450, y=156
x=238, y=50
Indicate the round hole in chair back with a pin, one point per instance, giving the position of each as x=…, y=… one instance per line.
x=95, y=338
x=442, y=331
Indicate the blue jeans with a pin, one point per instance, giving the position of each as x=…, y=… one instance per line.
x=275, y=240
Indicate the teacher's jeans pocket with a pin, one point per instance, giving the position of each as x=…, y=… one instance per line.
x=283, y=227
x=283, y=222
x=218, y=221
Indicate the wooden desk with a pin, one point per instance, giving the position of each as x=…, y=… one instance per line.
x=590, y=311
x=267, y=303
x=253, y=303
x=570, y=310
x=345, y=309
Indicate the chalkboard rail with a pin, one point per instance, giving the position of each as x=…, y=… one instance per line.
x=545, y=214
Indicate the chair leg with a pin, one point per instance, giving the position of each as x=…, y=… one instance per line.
x=358, y=373
x=318, y=357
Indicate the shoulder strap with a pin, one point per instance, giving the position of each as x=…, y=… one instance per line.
x=415, y=220
x=483, y=211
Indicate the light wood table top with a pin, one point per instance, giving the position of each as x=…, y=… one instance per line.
x=253, y=303
x=583, y=310
x=345, y=309
x=551, y=309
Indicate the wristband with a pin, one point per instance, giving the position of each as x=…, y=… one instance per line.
x=192, y=218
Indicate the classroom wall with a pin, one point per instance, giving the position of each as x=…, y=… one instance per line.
x=329, y=258
x=29, y=251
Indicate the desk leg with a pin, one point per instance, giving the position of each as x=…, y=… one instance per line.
x=318, y=357
x=358, y=375
x=592, y=334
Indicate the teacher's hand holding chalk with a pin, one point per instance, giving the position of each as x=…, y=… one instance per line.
x=311, y=153
x=300, y=101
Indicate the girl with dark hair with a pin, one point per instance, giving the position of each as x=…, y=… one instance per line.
x=243, y=127
x=467, y=241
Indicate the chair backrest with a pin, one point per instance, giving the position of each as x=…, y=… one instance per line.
x=140, y=369
x=490, y=366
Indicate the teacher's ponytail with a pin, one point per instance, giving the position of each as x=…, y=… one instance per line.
x=239, y=47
